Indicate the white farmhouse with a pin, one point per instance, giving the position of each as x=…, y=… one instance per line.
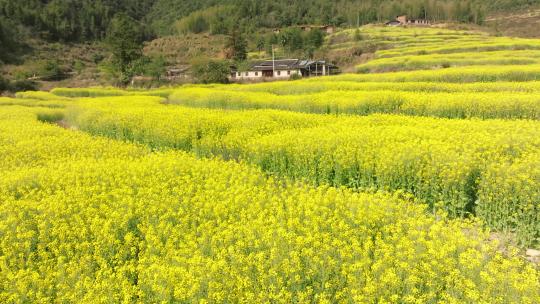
x=284, y=69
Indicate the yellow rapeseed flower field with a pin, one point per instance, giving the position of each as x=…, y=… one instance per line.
x=416, y=180
x=440, y=104
x=437, y=160
x=93, y=220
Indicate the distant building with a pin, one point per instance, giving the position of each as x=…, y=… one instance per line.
x=177, y=72
x=329, y=29
x=403, y=21
x=393, y=23
x=284, y=69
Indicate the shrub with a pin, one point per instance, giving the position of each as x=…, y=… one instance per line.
x=23, y=85
x=50, y=70
x=4, y=84
x=362, y=70
x=50, y=116
x=295, y=76
x=97, y=58
x=78, y=66
x=358, y=35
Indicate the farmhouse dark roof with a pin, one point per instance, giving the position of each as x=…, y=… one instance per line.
x=268, y=65
x=285, y=64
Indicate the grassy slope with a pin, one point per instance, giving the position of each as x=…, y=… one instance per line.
x=523, y=23
x=182, y=49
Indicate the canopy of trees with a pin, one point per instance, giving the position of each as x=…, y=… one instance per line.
x=71, y=20
x=79, y=20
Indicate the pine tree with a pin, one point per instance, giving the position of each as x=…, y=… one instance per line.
x=237, y=46
x=124, y=40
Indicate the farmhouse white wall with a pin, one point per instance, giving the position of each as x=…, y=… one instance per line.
x=285, y=74
x=282, y=74
x=248, y=75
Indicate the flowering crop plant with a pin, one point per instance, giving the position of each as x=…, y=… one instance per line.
x=92, y=220
x=416, y=180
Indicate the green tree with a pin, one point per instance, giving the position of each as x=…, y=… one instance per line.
x=271, y=40
x=4, y=84
x=292, y=39
x=315, y=38
x=9, y=41
x=260, y=43
x=156, y=67
x=211, y=71
x=78, y=66
x=198, y=24
x=50, y=70
x=309, y=51
x=124, y=41
x=237, y=46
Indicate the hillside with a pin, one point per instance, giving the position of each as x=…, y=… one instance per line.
x=84, y=19
x=415, y=179
x=65, y=38
x=182, y=49
x=520, y=23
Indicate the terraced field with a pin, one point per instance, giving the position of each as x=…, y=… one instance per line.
x=378, y=187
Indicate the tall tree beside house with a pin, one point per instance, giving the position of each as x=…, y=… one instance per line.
x=210, y=71
x=237, y=46
x=291, y=39
x=315, y=38
x=124, y=41
x=260, y=43
x=271, y=40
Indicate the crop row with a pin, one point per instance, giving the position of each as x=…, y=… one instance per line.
x=455, y=163
x=104, y=92
x=450, y=105
x=308, y=87
x=456, y=75
x=461, y=47
x=329, y=84
x=422, y=62
x=55, y=102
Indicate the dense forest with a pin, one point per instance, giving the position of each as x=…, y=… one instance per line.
x=82, y=20
x=74, y=21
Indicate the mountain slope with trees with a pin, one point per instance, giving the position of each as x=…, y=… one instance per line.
x=80, y=20
x=34, y=29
